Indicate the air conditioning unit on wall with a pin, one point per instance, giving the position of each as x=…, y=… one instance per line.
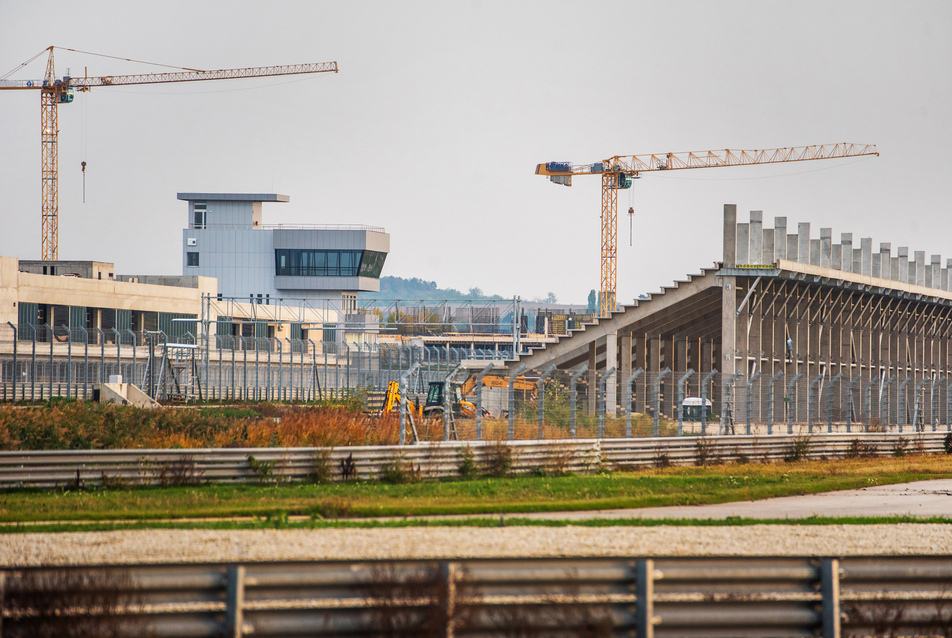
x=191, y=241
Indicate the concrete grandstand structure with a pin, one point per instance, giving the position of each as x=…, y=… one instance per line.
x=786, y=317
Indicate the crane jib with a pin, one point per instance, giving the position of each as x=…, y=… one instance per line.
x=617, y=173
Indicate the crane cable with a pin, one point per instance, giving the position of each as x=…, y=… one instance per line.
x=83, y=144
x=631, y=215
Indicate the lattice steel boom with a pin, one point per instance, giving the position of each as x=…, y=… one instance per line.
x=56, y=91
x=618, y=172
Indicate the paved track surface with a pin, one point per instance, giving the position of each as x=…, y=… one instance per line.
x=921, y=499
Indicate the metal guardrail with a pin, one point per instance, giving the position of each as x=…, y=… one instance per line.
x=639, y=596
x=434, y=460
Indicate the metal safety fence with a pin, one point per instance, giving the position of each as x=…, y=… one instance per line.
x=43, y=362
x=40, y=362
x=63, y=468
x=640, y=596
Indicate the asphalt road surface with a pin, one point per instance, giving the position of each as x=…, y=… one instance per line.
x=921, y=499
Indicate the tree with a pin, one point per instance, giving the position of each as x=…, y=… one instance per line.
x=592, y=301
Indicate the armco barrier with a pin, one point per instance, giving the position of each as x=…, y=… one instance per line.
x=631, y=596
x=435, y=460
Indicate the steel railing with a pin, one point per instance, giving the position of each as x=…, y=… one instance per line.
x=434, y=460
x=640, y=596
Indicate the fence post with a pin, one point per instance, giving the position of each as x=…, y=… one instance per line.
x=603, y=384
x=770, y=400
x=512, y=398
x=33, y=366
x=479, y=400
x=235, y=601
x=657, y=397
x=830, y=590
x=918, y=411
x=791, y=404
x=681, y=382
x=900, y=413
x=542, y=377
x=102, y=354
x=849, y=400
x=726, y=401
x=644, y=598
x=314, y=376
x=868, y=396
x=573, y=395
x=704, y=383
x=118, y=352
x=948, y=403
x=403, y=401
x=447, y=405
x=810, y=411
x=628, y=383
x=934, y=403
x=750, y=384
x=85, y=363
x=829, y=415
x=14, y=360
x=69, y=360
x=52, y=340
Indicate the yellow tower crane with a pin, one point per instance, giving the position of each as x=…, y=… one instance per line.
x=618, y=172
x=54, y=92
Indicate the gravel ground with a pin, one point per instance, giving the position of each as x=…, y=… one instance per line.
x=177, y=546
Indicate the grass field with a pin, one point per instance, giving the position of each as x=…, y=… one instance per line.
x=273, y=504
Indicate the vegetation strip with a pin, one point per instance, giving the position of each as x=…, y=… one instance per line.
x=483, y=496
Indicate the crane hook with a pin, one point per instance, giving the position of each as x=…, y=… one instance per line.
x=631, y=215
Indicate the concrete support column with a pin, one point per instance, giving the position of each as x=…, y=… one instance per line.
x=756, y=255
x=814, y=252
x=903, y=254
x=920, y=268
x=846, y=250
x=642, y=361
x=611, y=383
x=625, y=368
x=866, y=249
x=730, y=236
x=770, y=250
x=743, y=244
x=885, y=248
x=728, y=325
x=591, y=403
x=826, y=247
x=780, y=238
x=793, y=247
x=803, y=242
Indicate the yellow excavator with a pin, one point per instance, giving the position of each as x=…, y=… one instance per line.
x=460, y=407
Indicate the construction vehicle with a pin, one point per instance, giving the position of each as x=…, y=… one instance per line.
x=391, y=402
x=618, y=172
x=459, y=407
x=54, y=92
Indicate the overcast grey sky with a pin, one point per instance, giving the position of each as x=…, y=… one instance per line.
x=441, y=110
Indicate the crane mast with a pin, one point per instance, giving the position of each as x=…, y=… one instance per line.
x=54, y=92
x=618, y=172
